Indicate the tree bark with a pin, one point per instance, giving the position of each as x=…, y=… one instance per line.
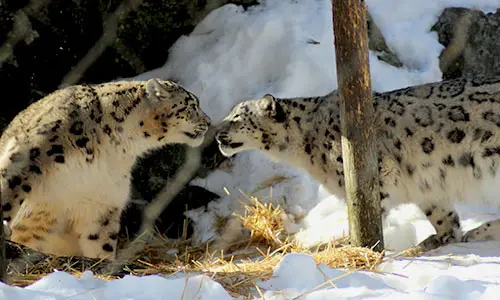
x=357, y=117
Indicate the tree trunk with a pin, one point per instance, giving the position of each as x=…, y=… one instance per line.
x=357, y=124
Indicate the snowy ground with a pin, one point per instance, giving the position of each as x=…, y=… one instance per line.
x=234, y=55
x=471, y=272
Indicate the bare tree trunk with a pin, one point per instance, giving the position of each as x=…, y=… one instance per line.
x=357, y=123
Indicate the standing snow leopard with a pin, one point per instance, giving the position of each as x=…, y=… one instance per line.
x=66, y=160
x=437, y=143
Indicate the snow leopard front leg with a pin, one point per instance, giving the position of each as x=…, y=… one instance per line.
x=489, y=231
x=98, y=228
x=444, y=218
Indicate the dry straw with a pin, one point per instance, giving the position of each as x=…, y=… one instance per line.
x=238, y=267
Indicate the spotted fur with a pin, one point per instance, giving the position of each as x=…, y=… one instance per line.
x=65, y=161
x=436, y=143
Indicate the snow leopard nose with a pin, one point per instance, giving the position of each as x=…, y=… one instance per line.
x=208, y=122
x=205, y=119
x=201, y=121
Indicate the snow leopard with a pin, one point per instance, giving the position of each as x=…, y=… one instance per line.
x=66, y=160
x=437, y=143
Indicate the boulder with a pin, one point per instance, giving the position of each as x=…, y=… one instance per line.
x=376, y=42
x=471, y=40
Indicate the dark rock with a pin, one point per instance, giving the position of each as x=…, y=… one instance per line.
x=471, y=38
x=49, y=38
x=171, y=221
x=149, y=177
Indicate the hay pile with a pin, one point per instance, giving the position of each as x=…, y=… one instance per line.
x=237, y=268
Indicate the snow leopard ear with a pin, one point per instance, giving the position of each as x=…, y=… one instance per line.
x=267, y=103
x=158, y=91
x=154, y=91
x=273, y=107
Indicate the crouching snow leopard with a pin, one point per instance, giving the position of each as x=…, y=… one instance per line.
x=437, y=143
x=66, y=160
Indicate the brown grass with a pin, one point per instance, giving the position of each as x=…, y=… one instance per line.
x=238, y=268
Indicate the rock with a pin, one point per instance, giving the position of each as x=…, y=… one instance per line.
x=42, y=41
x=149, y=177
x=49, y=38
x=471, y=38
x=171, y=221
x=376, y=42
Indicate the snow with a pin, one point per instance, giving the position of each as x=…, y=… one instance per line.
x=285, y=47
x=471, y=272
x=61, y=285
